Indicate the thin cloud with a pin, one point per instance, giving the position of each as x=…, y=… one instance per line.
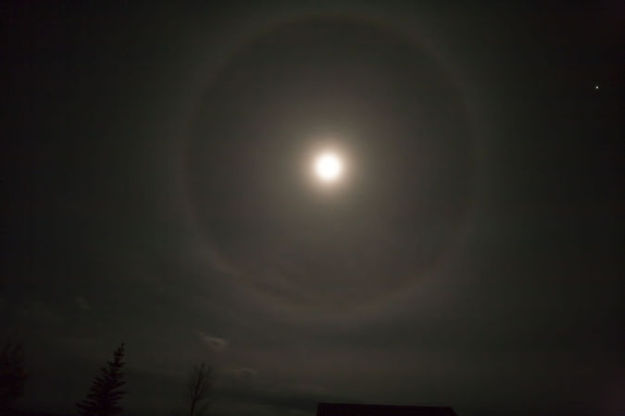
x=214, y=343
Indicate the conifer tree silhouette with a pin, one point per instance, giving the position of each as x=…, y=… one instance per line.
x=12, y=375
x=105, y=394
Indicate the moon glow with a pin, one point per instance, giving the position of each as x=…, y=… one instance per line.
x=328, y=167
x=330, y=209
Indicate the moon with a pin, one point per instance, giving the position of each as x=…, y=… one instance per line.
x=328, y=167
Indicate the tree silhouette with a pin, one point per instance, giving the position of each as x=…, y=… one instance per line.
x=200, y=384
x=12, y=375
x=105, y=393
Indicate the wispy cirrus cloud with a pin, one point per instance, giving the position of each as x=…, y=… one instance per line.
x=216, y=344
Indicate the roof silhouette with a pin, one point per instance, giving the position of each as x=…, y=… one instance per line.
x=346, y=409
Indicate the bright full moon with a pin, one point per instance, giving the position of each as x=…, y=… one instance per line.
x=328, y=167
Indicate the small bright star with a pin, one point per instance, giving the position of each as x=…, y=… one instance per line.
x=596, y=87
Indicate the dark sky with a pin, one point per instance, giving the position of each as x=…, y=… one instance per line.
x=155, y=190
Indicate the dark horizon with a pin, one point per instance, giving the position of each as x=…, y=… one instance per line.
x=159, y=189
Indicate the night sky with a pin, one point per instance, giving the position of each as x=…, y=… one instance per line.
x=157, y=190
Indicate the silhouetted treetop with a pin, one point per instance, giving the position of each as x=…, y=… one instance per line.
x=12, y=375
x=105, y=393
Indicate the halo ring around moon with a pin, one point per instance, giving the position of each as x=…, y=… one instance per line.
x=283, y=290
